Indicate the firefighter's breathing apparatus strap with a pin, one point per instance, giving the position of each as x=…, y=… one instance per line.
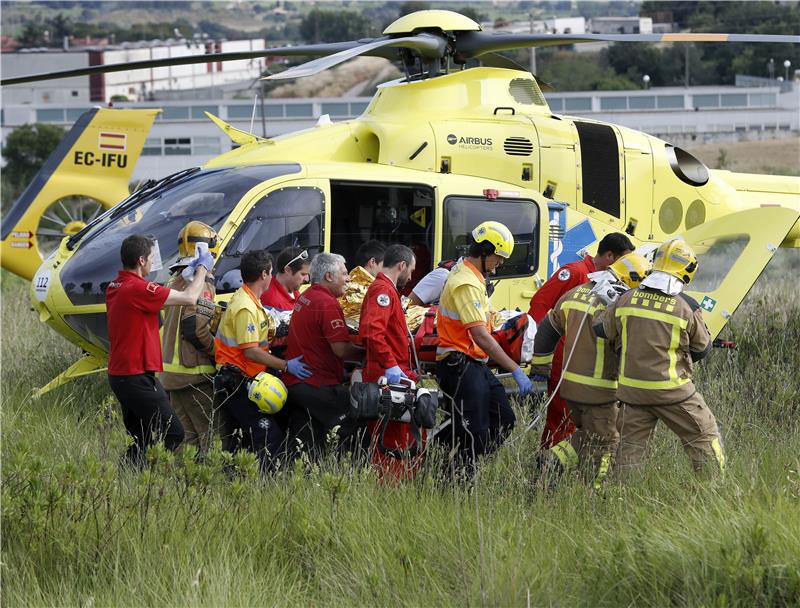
x=552, y=396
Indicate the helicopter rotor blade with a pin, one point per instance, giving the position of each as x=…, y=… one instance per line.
x=426, y=44
x=474, y=44
x=305, y=50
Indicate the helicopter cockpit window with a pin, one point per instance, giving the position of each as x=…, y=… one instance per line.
x=390, y=213
x=462, y=214
x=287, y=217
x=205, y=195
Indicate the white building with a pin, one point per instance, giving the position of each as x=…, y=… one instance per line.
x=621, y=25
x=135, y=85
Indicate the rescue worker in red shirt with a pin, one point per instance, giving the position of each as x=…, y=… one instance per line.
x=558, y=425
x=318, y=333
x=134, y=353
x=386, y=338
x=242, y=352
x=292, y=272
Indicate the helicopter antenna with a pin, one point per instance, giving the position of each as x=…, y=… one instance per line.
x=253, y=115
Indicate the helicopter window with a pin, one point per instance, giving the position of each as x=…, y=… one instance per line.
x=599, y=167
x=287, y=217
x=462, y=214
x=390, y=213
x=161, y=214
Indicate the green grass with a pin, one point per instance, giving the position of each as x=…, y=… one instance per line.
x=77, y=531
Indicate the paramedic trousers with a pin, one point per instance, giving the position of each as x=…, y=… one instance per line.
x=481, y=415
x=147, y=414
x=318, y=418
x=249, y=427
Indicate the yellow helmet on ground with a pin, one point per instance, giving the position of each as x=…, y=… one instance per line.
x=631, y=269
x=498, y=235
x=268, y=393
x=197, y=232
x=676, y=258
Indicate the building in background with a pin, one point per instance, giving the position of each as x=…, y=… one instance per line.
x=133, y=85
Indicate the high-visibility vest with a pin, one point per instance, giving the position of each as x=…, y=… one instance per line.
x=453, y=335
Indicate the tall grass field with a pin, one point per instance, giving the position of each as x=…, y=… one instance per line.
x=77, y=530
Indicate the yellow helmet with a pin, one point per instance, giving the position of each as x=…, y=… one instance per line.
x=267, y=392
x=675, y=257
x=498, y=235
x=631, y=269
x=197, y=232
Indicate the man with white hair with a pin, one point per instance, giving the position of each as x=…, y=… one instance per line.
x=319, y=334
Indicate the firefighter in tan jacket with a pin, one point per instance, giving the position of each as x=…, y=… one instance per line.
x=589, y=381
x=660, y=332
x=188, y=344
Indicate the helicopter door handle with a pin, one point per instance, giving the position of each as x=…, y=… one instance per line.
x=498, y=108
x=528, y=294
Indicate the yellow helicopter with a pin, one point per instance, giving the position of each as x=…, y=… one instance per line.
x=434, y=154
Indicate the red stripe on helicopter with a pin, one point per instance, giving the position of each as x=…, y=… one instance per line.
x=112, y=141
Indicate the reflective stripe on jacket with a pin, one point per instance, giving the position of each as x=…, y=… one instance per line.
x=187, y=344
x=659, y=336
x=590, y=376
x=244, y=324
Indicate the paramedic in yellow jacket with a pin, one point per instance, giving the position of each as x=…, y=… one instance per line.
x=188, y=343
x=660, y=333
x=589, y=383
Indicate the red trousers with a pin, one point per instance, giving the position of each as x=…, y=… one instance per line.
x=559, y=425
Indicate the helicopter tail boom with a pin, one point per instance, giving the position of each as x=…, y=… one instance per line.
x=768, y=191
x=87, y=173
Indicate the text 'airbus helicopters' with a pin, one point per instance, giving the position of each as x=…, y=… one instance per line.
x=434, y=154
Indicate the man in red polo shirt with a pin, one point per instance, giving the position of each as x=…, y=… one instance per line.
x=559, y=425
x=134, y=354
x=291, y=272
x=318, y=332
x=385, y=337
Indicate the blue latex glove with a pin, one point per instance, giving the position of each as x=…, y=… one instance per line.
x=206, y=259
x=394, y=374
x=296, y=367
x=188, y=272
x=524, y=383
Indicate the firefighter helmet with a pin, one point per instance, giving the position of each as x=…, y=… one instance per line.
x=631, y=269
x=676, y=258
x=496, y=234
x=197, y=232
x=267, y=392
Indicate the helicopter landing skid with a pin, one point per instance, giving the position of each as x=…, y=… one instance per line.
x=85, y=366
